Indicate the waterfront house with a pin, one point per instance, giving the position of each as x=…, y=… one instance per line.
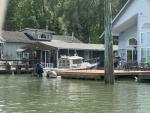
x=132, y=26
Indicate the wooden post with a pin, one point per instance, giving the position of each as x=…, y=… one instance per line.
x=109, y=63
x=27, y=67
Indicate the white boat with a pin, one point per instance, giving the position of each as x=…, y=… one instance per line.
x=71, y=63
x=76, y=63
x=51, y=74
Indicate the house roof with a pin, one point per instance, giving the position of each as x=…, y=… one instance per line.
x=130, y=19
x=15, y=36
x=69, y=39
x=127, y=23
x=2, y=40
x=77, y=46
x=38, y=30
x=123, y=8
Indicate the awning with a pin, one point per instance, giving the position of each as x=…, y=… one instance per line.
x=20, y=50
x=2, y=40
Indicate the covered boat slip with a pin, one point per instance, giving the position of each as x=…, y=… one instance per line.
x=50, y=51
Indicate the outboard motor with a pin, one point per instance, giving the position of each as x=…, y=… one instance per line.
x=38, y=70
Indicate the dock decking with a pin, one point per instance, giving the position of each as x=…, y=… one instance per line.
x=98, y=74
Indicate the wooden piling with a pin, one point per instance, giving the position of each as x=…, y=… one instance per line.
x=109, y=63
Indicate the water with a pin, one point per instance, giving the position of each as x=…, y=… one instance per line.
x=26, y=94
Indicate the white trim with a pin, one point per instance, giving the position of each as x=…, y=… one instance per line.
x=24, y=55
x=142, y=25
x=128, y=41
x=146, y=51
x=132, y=50
x=121, y=10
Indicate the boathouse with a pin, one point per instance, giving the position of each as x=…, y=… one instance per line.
x=52, y=50
x=132, y=26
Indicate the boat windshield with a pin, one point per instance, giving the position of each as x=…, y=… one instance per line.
x=77, y=61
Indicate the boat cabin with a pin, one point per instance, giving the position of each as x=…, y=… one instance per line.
x=70, y=62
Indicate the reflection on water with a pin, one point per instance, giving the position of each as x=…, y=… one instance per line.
x=26, y=94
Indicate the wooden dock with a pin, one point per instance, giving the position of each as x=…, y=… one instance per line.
x=17, y=66
x=98, y=74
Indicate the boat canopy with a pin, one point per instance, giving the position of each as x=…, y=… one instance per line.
x=71, y=57
x=74, y=57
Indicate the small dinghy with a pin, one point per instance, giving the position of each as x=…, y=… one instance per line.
x=51, y=74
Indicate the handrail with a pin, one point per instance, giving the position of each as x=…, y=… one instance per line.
x=93, y=60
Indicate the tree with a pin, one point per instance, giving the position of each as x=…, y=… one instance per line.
x=83, y=17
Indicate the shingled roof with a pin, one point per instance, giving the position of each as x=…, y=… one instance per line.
x=38, y=30
x=15, y=36
x=68, y=39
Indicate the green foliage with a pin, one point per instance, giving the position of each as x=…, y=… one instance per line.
x=85, y=18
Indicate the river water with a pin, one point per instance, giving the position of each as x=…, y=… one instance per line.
x=26, y=94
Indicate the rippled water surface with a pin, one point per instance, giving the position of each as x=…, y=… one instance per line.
x=26, y=94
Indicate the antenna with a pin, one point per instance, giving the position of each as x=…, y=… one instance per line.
x=89, y=40
x=72, y=37
x=67, y=45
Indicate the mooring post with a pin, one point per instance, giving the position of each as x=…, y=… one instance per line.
x=109, y=63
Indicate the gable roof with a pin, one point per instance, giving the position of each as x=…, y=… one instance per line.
x=15, y=36
x=77, y=46
x=123, y=8
x=118, y=15
x=133, y=12
x=126, y=18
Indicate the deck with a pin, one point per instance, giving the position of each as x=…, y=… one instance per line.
x=98, y=74
x=17, y=66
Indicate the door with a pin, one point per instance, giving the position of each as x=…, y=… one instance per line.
x=132, y=55
x=46, y=56
x=86, y=55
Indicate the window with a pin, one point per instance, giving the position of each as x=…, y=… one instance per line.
x=33, y=34
x=132, y=41
x=146, y=26
x=19, y=56
x=145, y=54
x=25, y=55
x=77, y=61
x=145, y=38
x=43, y=36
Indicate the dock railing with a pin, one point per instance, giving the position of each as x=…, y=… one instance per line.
x=93, y=60
x=17, y=66
x=47, y=65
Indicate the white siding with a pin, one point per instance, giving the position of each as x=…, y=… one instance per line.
x=140, y=7
x=125, y=36
x=135, y=6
